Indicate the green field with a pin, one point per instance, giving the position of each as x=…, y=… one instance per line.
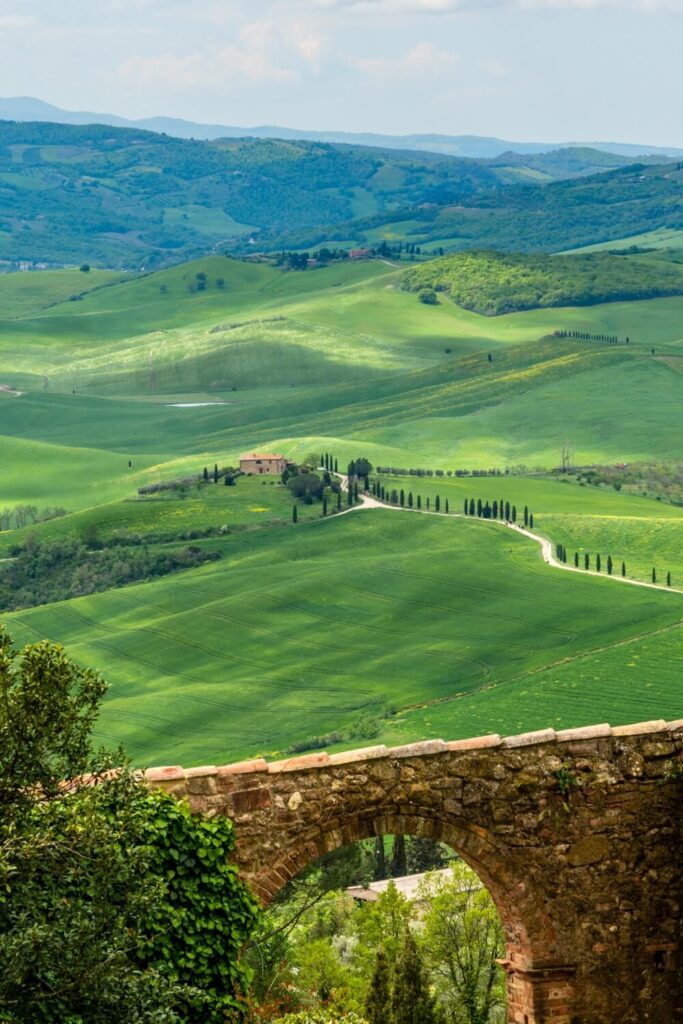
x=301, y=632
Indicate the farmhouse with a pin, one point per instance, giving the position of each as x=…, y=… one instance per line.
x=259, y=463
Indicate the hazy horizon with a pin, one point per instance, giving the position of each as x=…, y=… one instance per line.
x=524, y=70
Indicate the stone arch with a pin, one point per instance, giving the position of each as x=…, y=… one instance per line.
x=531, y=935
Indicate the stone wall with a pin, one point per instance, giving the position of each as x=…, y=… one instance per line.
x=577, y=835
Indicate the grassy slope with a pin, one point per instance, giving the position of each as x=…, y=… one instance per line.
x=298, y=632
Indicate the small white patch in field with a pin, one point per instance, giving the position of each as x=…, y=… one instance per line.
x=192, y=405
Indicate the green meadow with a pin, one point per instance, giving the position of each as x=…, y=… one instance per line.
x=327, y=627
x=376, y=623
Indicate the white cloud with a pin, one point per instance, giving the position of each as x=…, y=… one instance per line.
x=423, y=59
x=10, y=21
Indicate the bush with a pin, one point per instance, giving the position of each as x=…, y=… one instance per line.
x=428, y=296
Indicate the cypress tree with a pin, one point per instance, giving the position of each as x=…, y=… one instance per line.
x=447, y=509
x=668, y=579
x=479, y=507
x=322, y=461
x=654, y=574
x=501, y=508
x=466, y=506
x=609, y=565
x=507, y=511
x=623, y=568
x=514, y=513
x=399, y=866
x=576, y=559
x=495, y=509
x=586, y=561
x=437, y=504
x=295, y=514
x=378, y=999
x=411, y=1001
x=349, y=495
x=215, y=473
x=336, y=468
x=471, y=506
x=428, y=504
x=526, y=516
x=598, y=563
x=531, y=520
x=206, y=475
x=324, y=506
x=419, y=502
x=410, y=499
x=326, y=462
x=402, y=498
x=339, y=501
x=355, y=491
x=383, y=492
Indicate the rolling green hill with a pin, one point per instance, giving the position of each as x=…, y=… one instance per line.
x=324, y=627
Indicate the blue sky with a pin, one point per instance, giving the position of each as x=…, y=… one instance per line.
x=547, y=70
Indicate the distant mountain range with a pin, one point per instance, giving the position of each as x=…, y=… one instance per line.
x=28, y=108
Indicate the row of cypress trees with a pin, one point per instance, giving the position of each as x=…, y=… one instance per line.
x=561, y=555
x=502, y=510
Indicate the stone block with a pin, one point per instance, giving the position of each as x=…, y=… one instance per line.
x=640, y=728
x=589, y=850
x=528, y=739
x=171, y=773
x=295, y=764
x=476, y=743
x=355, y=756
x=658, y=748
x=586, y=732
x=259, y=764
x=423, y=749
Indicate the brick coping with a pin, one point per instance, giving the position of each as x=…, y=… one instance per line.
x=424, y=748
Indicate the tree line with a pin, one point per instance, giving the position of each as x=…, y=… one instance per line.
x=610, y=567
x=609, y=339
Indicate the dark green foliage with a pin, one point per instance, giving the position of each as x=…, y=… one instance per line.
x=378, y=999
x=324, y=506
x=447, y=507
x=295, y=514
x=304, y=484
x=55, y=570
x=494, y=510
x=507, y=511
x=215, y=474
x=586, y=561
x=359, y=467
x=493, y=282
x=514, y=513
x=609, y=565
x=410, y=499
x=465, y=507
x=531, y=520
x=411, y=1001
x=480, y=507
x=668, y=579
x=437, y=503
x=623, y=568
x=471, y=506
x=576, y=559
x=398, y=867
x=428, y=296
x=402, y=498
x=654, y=574
x=598, y=563
x=116, y=905
x=419, y=502
x=206, y=475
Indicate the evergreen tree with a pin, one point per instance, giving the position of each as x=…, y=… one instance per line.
x=410, y=499
x=654, y=574
x=378, y=999
x=349, y=494
x=428, y=504
x=576, y=559
x=206, y=475
x=398, y=857
x=466, y=506
x=324, y=506
x=609, y=565
x=531, y=520
x=487, y=511
x=215, y=474
x=586, y=561
x=479, y=507
x=383, y=492
x=507, y=511
x=623, y=568
x=322, y=461
x=437, y=504
x=402, y=498
x=514, y=513
x=355, y=491
x=668, y=579
x=447, y=508
x=598, y=563
x=339, y=501
x=411, y=1001
x=495, y=509
x=526, y=516
x=501, y=509
x=419, y=502
x=472, y=509
x=295, y=514
x=336, y=467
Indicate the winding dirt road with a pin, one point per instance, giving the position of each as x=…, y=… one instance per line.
x=367, y=501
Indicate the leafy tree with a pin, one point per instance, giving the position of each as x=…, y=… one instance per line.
x=116, y=904
x=428, y=296
x=463, y=937
x=411, y=1000
x=84, y=268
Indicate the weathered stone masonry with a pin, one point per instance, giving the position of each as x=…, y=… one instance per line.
x=576, y=834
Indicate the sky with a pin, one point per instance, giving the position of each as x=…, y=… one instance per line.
x=527, y=70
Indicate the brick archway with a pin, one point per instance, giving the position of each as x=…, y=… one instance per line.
x=576, y=834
